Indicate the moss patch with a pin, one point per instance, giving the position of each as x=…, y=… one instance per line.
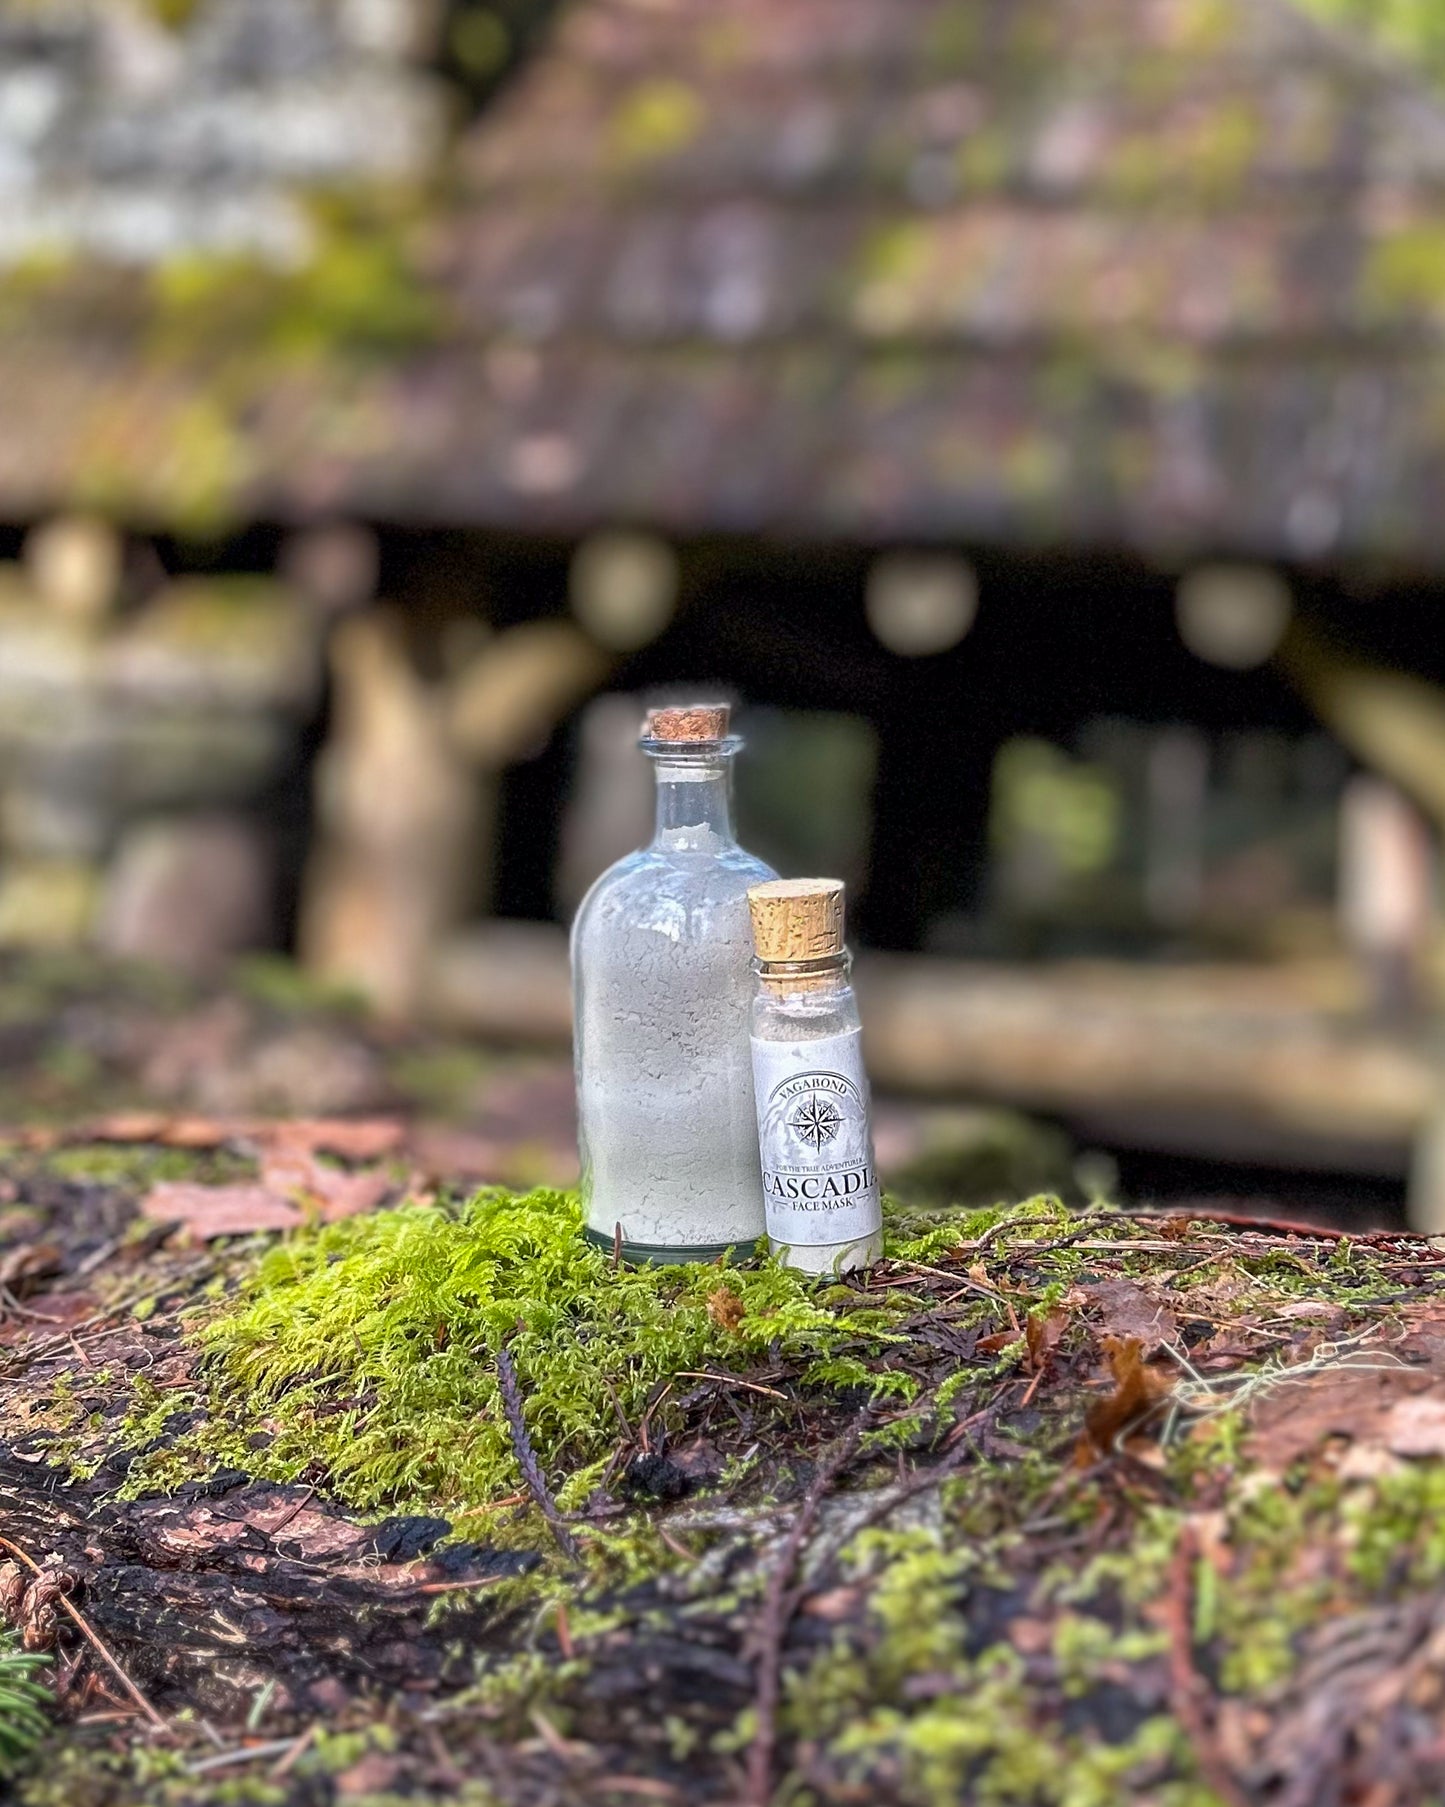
x=1007, y=1628
x=365, y=1353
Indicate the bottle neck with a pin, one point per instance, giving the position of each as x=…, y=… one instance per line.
x=810, y=978
x=694, y=800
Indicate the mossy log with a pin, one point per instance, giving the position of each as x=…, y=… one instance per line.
x=1047, y=1509
x=1051, y=1509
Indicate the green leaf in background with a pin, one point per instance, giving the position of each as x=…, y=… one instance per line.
x=1413, y=30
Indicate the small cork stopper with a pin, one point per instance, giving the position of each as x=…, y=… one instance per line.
x=797, y=918
x=699, y=721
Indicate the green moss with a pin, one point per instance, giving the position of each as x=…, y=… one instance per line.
x=966, y=1665
x=444, y=1079
x=175, y=15
x=140, y=1165
x=359, y=289
x=366, y=1351
x=656, y=119
x=1413, y=30
x=285, y=986
x=1406, y=271
x=1395, y=1529
x=480, y=42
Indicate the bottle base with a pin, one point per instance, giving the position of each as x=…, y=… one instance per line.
x=831, y=1257
x=647, y=1254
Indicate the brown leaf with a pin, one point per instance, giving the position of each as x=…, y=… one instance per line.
x=1030, y=1637
x=208, y=1211
x=1137, y=1388
x=992, y=1344
x=127, y=1126
x=295, y=1173
x=196, y=1132
x=347, y=1138
x=1359, y=1398
x=55, y=1312
x=725, y=1308
x=834, y=1604
x=1122, y=1308
x=30, y=1261
x=1044, y=1331
x=157, y=1126
x=1416, y=1427
x=699, y=1460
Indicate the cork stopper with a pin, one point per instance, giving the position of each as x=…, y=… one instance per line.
x=698, y=721
x=797, y=918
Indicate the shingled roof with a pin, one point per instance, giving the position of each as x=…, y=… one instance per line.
x=1164, y=274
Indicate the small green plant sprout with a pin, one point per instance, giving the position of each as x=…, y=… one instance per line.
x=23, y=1719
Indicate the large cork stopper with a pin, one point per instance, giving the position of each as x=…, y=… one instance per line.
x=699, y=721
x=797, y=918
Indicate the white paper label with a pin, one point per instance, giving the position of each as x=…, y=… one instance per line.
x=820, y=1184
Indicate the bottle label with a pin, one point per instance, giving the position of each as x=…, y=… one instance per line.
x=820, y=1184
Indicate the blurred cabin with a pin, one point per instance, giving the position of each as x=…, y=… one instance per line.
x=1032, y=410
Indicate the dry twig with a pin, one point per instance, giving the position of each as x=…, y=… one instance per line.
x=88, y=1631
x=527, y=1457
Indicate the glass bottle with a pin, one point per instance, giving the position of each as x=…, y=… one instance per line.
x=661, y=986
x=820, y=1180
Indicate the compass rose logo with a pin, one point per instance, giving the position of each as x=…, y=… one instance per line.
x=817, y=1120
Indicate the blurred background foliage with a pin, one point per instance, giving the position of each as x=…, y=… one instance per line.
x=1411, y=29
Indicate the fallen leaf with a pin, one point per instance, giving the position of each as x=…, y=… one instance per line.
x=1043, y=1331
x=294, y=1173
x=347, y=1138
x=1122, y=1308
x=196, y=1132
x=725, y=1308
x=1416, y=1427
x=993, y=1343
x=371, y=1774
x=1137, y=1389
x=127, y=1126
x=1368, y=1462
x=699, y=1460
x=834, y=1605
x=209, y=1211
x=158, y=1126
x=1031, y=1637
x=54, y=1313
x=30, y=1261
x=1356, y=1399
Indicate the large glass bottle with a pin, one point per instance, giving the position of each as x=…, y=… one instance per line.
x=661, y=988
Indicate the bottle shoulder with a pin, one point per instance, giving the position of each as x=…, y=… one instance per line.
x=658, y=881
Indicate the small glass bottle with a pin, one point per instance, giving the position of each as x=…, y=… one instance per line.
x=820, y=1181
x=661, y=987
